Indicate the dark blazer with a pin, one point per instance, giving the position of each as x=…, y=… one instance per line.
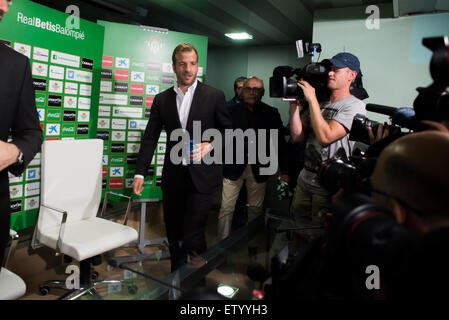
x=266, y=117
x=209, y=107
x=18, y=119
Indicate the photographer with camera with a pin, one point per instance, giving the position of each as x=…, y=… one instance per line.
x=327, y=125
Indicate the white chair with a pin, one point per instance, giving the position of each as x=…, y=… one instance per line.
x=11, y=285
x=71, y=184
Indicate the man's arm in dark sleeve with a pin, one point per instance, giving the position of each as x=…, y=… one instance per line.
x=223, y=121
x=150, y=139
x=26, y=131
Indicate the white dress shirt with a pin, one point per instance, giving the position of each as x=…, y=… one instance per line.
x=183, y=103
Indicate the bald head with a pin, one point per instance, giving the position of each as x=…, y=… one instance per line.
x=415, y=169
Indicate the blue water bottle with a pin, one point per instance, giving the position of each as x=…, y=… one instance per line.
x=192, y=147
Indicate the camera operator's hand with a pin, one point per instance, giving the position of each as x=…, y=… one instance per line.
x=383, y=131
x=308, y=90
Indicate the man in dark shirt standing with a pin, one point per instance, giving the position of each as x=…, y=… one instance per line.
x=253, y=115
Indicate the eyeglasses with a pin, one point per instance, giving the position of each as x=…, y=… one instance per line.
x=368, y=189
x=255, y=90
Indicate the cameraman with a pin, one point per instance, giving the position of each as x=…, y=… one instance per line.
x=327, y=126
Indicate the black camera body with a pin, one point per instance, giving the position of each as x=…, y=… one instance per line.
x=283, y=86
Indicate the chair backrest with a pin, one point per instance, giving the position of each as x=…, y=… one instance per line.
x=71, y=180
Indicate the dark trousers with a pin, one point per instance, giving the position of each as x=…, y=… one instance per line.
x=185, y=216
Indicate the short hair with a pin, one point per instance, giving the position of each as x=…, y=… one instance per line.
x=183, y=47
x=239, y=79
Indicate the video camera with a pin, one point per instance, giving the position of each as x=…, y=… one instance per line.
x=316, y=74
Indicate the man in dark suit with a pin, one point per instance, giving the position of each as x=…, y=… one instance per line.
x=251, y=114
x=18, y=119
x=187, y=188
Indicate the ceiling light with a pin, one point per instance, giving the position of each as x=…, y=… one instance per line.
x=239, y=36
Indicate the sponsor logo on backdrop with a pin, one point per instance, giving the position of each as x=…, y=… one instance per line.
x=65, y=59
x=129, y=183
x=14, y=179
x=23, y=49
x=134, y=136
x=40, y=54
x=69, y=115
x=106, y=86
x=16, y=191
x=116, y=183
x=32, y=174
x=159, y=180
x=83, y=116
x=152, y=89
x=40, y=99
x=16, y=206
x=116, y=171
x=105, y=172
x=71, y=88
x=54, y=100
x=138, y=64
x=106, y=74
x=149, y=101
x=137, y=76
x=160, y=159
x=36, y=160
x=40, y=84
x=122, y=63
x=104, y=123
x=153, y=78
x=118, y=135
x=53, y=129
x=87, y=64
x=166, y=79
x=40, y=114
x=39, y=69
x=32, y=189
x=147, y=113
x=53, y=115
x=137, y=88
x=161, y=148
x=104, y=111
x=117, y=160
x=121, y=75
x=83, y=129
x=119, y=124
x=133, y=147
x=155, y=44
x=83, y=103
x=49, y=26
x=137, y=124
x=127, y=112
x=104, y=135
x=136, y=100
x=31, y=203
x=55, y=86
x=57, y=72
x=79, y=75
x=68, y=129
x=120, y=87
x=154, y=66
x=107, y=61
x=167, y=67
x=117, y=147
x=70, y=102
x=131, y=159
x=110, y=98
x=105, y=160
x=104, y=184
x=85, y=90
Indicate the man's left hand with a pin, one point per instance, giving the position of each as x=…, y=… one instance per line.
x=200, y=151
x=307, y=89
x=8, y=154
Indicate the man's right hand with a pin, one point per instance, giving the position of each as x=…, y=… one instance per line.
x=138, y=186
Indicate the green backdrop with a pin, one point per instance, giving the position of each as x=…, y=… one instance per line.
x=136, y=66
x=66, y=68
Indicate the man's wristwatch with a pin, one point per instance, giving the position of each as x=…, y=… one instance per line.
x=20, y=158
